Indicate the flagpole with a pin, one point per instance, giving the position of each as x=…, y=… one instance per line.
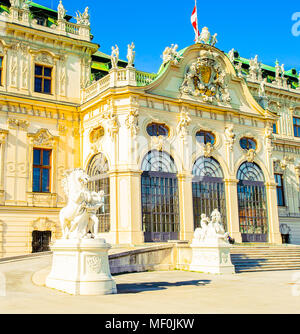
x=197, y=14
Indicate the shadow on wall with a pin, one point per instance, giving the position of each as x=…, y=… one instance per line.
x=150, y=286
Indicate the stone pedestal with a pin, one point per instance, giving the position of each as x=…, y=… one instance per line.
x=81, y=267
x=211, y=256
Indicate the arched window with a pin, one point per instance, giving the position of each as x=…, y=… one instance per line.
x=156, y=130
x=248, y=143
x=205, y=137
x=160, y=202
x=252, y=203
x=208, y=189
x=98, y=171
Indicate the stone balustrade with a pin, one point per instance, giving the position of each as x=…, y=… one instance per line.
x=117, y=78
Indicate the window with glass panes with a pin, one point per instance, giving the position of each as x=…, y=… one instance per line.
x=280, y=189
x=248, y=143
x=41, y=170
x=42, y=79
x=1, y=70
x=205, y=137
x=296, y=122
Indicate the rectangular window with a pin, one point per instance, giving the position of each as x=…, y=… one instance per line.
x=296, y=122
x=41, y=170
x=42, y=79
x=280, y=190
x=275, y=128
x=1, y=70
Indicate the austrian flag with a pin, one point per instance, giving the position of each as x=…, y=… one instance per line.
x=194, y=21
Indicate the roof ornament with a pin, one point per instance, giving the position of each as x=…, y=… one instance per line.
x=206, y=37
x=130, y=54
x=61, y=12
x=114, y=57
x=84, y=18
x=171, y=54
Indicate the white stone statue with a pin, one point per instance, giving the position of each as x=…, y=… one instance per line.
x=79, y=218
x=114, y=57
x=211, y=229
x=205, y=36
x=171, y=54
x=61, y=12
x=213, y=40
x=84, y=18
x=262, y=89
x=130, y=54
x=231, y=55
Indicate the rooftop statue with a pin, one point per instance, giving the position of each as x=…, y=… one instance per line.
x=206, y=37
x=114, y=57
x=79, y=218
x=130, y=54
x=171, y=54
x=84, y=18
x=61, y=12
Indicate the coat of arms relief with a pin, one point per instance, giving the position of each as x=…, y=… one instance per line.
x=205, y=79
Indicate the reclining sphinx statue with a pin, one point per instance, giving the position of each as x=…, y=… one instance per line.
x=78, y=218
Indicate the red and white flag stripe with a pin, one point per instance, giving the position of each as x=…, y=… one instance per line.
x=194, y=21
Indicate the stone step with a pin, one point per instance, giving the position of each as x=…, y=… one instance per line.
x=258, y=269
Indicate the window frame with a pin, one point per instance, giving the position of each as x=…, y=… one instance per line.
x=43, y=77
x=42, y=167
x=296, y=127
x=206, y=134
x=280, y=188
x=1, y=70
x=247, y=146
x=158, y=125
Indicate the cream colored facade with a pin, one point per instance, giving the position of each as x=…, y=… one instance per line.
x=123, y=104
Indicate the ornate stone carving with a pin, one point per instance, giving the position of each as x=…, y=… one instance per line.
x=183, y=124
x=208, y=150
x=42, y=138
x=255, y=69
x=14, y=123
x=94, y=263
x=132, y=123
x=96, y=134
x=206, y=80
x=230, y=136
x=45, y=58
x=63, y=129
x=112, y=123
x=250, y=155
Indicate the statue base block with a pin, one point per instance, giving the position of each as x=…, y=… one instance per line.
x=81, y=267
x=211, y=256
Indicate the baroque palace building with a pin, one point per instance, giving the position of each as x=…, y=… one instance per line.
x=209, y=131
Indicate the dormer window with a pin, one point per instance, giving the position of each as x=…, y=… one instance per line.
x=156, y=130
x=205, y=137
x=248, y=144
x=43, y=79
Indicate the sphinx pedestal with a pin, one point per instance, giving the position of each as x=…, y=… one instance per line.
x=211, y=256
x=81, y=267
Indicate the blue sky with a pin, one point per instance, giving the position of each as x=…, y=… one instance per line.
x=251, y=27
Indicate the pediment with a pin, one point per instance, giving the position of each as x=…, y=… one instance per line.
x=203, y=74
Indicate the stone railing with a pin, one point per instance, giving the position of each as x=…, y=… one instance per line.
x=72, y=28
x=61, y=27
x=117, y=78
x=144, y=78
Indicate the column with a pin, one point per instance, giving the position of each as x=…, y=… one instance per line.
x=232, y=207
x=273, y=219
x=186, y=206
x=126, y=214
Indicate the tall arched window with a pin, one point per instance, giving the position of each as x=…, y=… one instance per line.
x=160, y=202
x=252, y=203
x=208, y=189
x=98, y=171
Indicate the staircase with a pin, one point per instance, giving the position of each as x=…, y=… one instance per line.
x=265, y=258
